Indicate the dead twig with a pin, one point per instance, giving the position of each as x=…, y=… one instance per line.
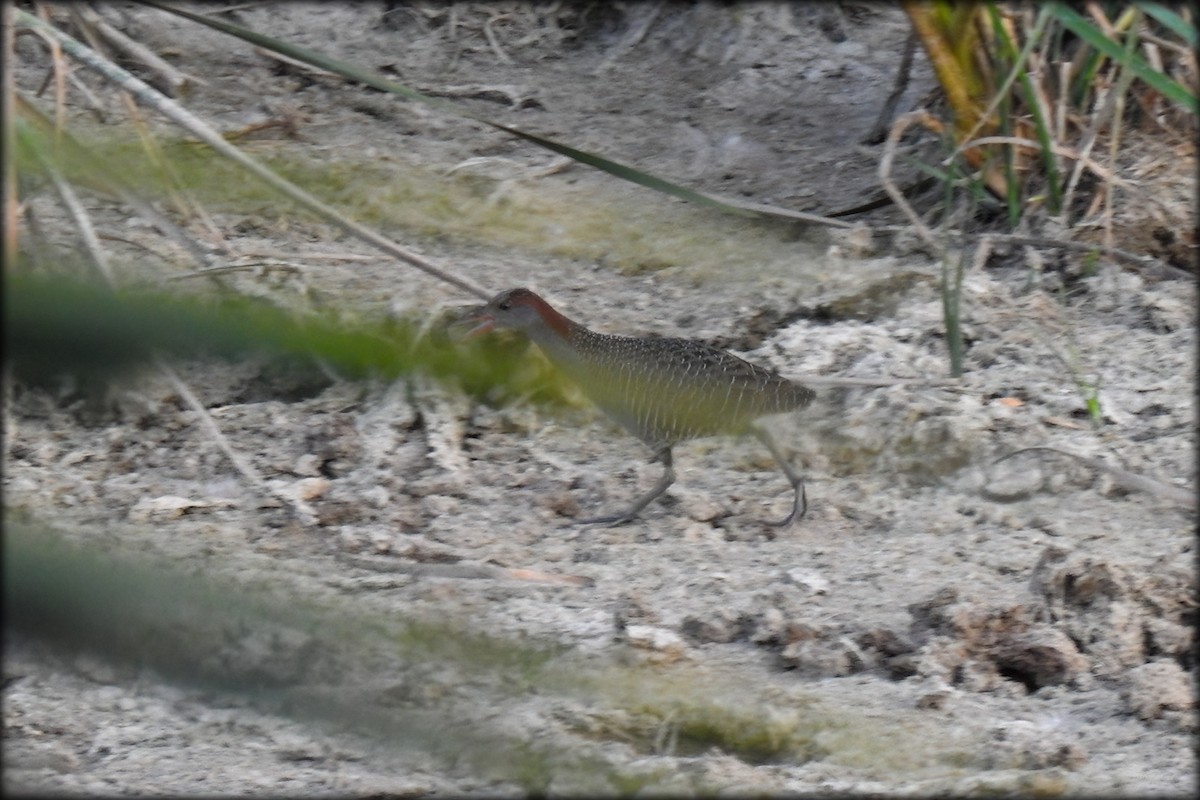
x=1099, y=120
x=95, y=251
x=148, y=96
x=879, y=130
x=493, y=42
x=1109, y=189
x=1123, y=477
x=58, y=73
x=1147, y=265
x=174, y=80
x=465, y=571
x=304, y=513
x=1018, y=141
x=225, y=269
x=823, y=380
x=83, y=223
x=633, y=37
x=885, y=174
x=108, y=183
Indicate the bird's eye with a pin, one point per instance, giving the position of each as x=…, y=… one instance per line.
x=505, y=306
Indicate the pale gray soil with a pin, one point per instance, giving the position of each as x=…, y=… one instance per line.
x=963, y=627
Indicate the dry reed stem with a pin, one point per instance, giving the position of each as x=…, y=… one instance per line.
x=148, y=96
x=1126, y=479
x=8, y=133
x=1109, y=188
x=83, y=223
x=493, y=42
x=112, y=184
x=95, y=252
x=186, y=207
x=154, y=154
x=1175, y=47
x=902, y=124
x=58, y=73
x=632, y=37
x=1098, y=169
x=172, y=78
x=1089, y=141
x=1005, y=87
x=1100, y=18
x=1060, y=112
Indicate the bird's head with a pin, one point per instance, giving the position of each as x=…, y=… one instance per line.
x=518, y=310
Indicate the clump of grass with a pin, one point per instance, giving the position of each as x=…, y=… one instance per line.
x=1039, y=96
x=694, y=728
x=1041, y=101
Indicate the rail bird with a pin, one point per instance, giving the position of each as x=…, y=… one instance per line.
x=662, y=390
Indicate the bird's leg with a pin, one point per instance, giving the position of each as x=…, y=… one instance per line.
x=668, y=477
x=800, y=503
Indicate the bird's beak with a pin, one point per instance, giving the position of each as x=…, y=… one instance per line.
x=478, y=319
x=485, y=323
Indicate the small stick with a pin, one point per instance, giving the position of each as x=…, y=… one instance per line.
x=175, y=80
x=301, y=509
x=1099, y=119
x=632, y=38
x=1058, y=149
x=1018, y=68
x=146, y=95
x=493, y=41
x=1125, y=478
x=467, y=570
x=228, y=268
x=96, y=253
x=87, y=231
x=58, y=73
x=879, y=130
x=821, y=380
x=885, y=173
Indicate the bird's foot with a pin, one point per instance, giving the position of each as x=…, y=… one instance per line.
x=799, y=508
x=611, y=520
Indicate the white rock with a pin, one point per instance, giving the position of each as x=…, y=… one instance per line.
x=309, y=488
x=666, y=644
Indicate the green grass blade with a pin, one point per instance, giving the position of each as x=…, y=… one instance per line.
x=1168, y=88
x=956, y=176
x=1085, y=81
x=59, y=325
x=1010, y=56
x=1041, y=127
x=1041, y=124
x=1172, y=22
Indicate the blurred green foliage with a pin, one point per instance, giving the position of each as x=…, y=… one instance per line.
x=58, y=325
